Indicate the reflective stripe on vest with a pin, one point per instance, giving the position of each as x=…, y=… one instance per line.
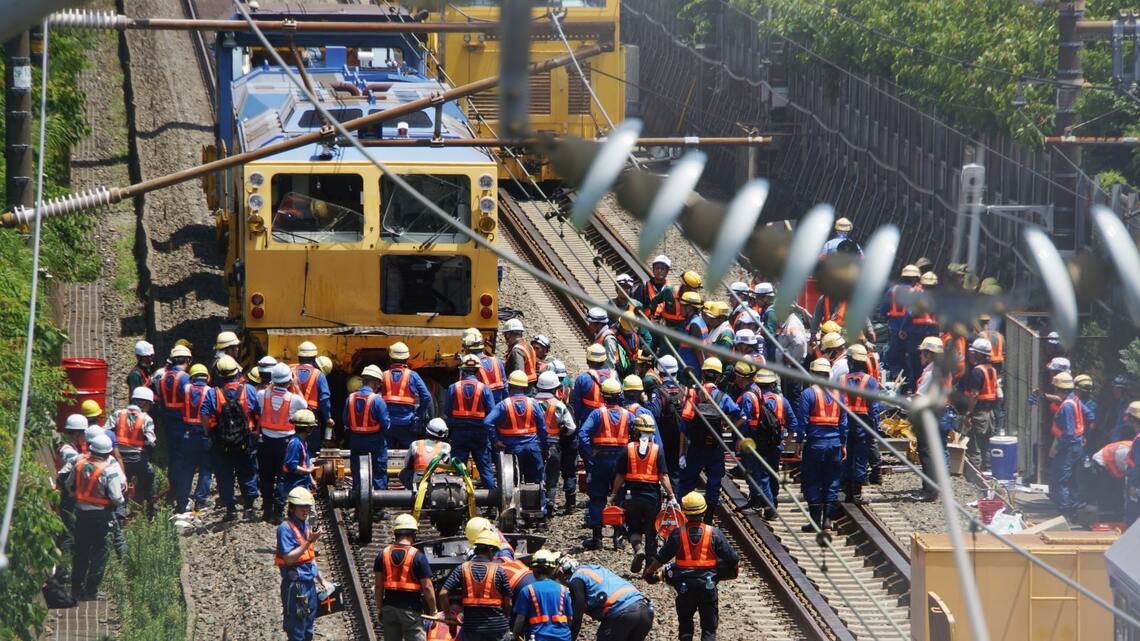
x=467, y=400
x=129, y=428
x=753, y=420
x=530, y=360
x=489, y=373
x=894, y=309
x=858, y=404
x=481, y=594
x=516, y=571
x=550, y=409
x=541, y=617
x=1078, y=419
x=309, y=389
x=593, y=399
x=778, y=401
x=398, y=392
x=519, y=424
x=364, y=422
x=989, y=383
x=422, y=456
x=306, y=557
x=997, y=345
x=700, y=556
x=1111, y=452
x=399, y=576
x=276, y=420
x=873, y=364
x=642, y=470
x=840, y=312
x=173, y=394
x=85, y=488
x=671, y=310
x=191, y=410
x=612, y=434
x=825, y=410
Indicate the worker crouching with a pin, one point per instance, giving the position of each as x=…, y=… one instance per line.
x=623, y=613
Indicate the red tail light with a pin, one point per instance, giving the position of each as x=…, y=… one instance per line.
x=257, y=312
x=257, y=299
x=485, y=312
x=485, y=300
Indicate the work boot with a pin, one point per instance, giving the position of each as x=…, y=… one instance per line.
x=813, y=518
x=769, y=514
x=595, y=540
x=247, y=506
x=231, y=514
x=857, y=498
x=638, y=559
x=876, y=476
x=825, y=523
x=571, y=503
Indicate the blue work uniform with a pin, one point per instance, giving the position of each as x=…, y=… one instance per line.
x=601, y=440
x=859, y=441
x=704, y=452
x=1132, y=484
x=917, y=325
x=298, y=581
x=545, y=605
x=408, y=402
x=1069, y=440
x=826, y=434
x=768, y=446
x=667, y=403
x=895, y=311
x=768, y=321
x=607, y=598
x=832, y=245
x=518, y=423
x=586, y=394
x=366, y=420
x=171, y=393
x=635, y=407
x=697, y=328
x=317, y=397
x=465, y=407
x=238, y=464
x=493, y=374
x=296, y=456
x=194, y=453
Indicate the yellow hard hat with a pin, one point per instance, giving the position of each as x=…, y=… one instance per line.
x=633, y=383
x=198, y=369
x=911, y=271
x=611, y=387
x=488, y=538
x=325, y=364
x=180, y=351
x=1063, y=380
x=832, y=340
x=712, y=364
x=184, y=343
x=692, y=279
x=1083, y=381
x=843, y=224
x=744, y=368
x=226, y=339
x=475, y=527
x=354, y=383
x=405, y=522
x=931, y=344
x=595, y=354
x=984, y=317
x=545, y=559
x=303, y=417
x=831, y=327
x=399, y=352
x=929, y=278
x=857, y=352
x=693, y=503
x=1134, y=409
x=766, y=376
x=300, y=496
x=821, y=366
x=226, y=365
x=90, y=408
x=307, y=349
x=644, y=423
x=692, y=298
x=518, y=379
x=713, y=308
x=253, y=376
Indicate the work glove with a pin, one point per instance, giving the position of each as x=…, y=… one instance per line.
x=672, y=503
x=681, y=463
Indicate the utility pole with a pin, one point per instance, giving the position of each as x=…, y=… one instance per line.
x=1067, y=157
x=18, y=122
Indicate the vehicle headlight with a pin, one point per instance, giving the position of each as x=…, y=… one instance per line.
x=256, y=179
x=486, y=182
x=486, y=204
x=256, y=202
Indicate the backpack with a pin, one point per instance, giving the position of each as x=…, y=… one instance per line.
x=672, y=404
x=232, y=430
x=769, y=428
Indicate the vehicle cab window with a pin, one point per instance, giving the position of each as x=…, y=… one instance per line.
x=318, y=208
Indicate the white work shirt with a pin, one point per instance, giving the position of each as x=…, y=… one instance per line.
x=296, y=402
x=925, y=380
x=839, y=369
x=562, y=415
x=111, y=484
x=148, y=427
x=794, y=338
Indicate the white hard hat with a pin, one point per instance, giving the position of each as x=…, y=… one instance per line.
x=559, y=367
x=266, y=362
x=748, y=318
x=180, y=351
x=437, y=428
x=981, y=346
x=625, y=279
x=143, y=348
x=764, y=289
x=282, y=373
x=738, y=287
x=745, y=337
x=399, y=351
x=226, y=339
x=307, y=349
x=1059, y=364
x=597, y=315
x=372, y=371
x=92, y=432
x=101, y=444
x=541, y=340
x=76, y=423
x=1053, y=337
x=661, y=259
x=141, y=393
x=548, y=380
x=513, y=325
x=668, y=364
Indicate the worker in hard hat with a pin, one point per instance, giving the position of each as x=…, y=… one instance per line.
x=981, y=391
x=465, y=406
x=486, y=592
x=140, y=374
x=312, y=384
x=666, y=404
x=646, y=293
x=763, y=296
x=278, y=405
x=894, y=309
x=929, y=351
x=768, y=438
x=1107, y=476
x=1068, y=446
x=598, y=321
x=639, y=476
x=297, y=468
x=630, y=342
x=834, y=349
x=366, y=420
x=633, y=396
x=586, y=394
x=226, y=344
x=423, y=451
x=230, y=414
x=492, y=373
x=645, y=367
x=403, y=585
x=707, y=409
x=621, y=610
x=669, y=305
x=561, y=433
x=194, y=453
x=696, y=328
x=1132, y=472
x=409, y=401
x=824, y=448
x=841, y=241
x=172, y=400
x=716, y=315
x=134, y=431
x=918, y=323
x=516, y=426
x=520, y=354
x=541, y=346
x=863, y=423
x=96, y=481
x=601, y=440
x=295, y=559
x=543, y=610
x=477, y=525
x=703, y=557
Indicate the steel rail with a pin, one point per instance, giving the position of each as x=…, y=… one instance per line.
x=358, y=604
x=875, y=543
x=663, y=141
x=202, y=53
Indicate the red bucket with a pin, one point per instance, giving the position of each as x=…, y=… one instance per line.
x=668, y=520
x=71, y=403
x=987, y=508
x=1113, y=527
x=86, y=373
x=613, y=515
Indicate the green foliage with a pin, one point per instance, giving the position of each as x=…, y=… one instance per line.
x=1130, y=359
x=145, y=582
x=126, y=270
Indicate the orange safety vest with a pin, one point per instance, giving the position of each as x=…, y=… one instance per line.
x=398, y=576
x=398, y=392
x=484, y=593
x=594, y=399
x=671, y=310
x=1108, y=452
x=440, y=631
x=422, y=456
x=519, y=424
x=873, y=364
x=129, y=428
x=840, y=312
x=530, y=360
x=469, y=408
x=243, y=398
x=699, y=556
x=192, y=412
x=858, y=404
x=612, y=434
x=540, y=617
x=997, y=346
x=306, y=557
x=490, y=374
x=552, y=426
x=516, y=571
x=85, y=488
x=825, y=410
x=894, y=308
x=642, y=470
x=173, y=395
x=754, y=419
x=276, y=420
x=309, y=390
x=778, y=401
x=1079, y=419
x=363, y=423
x=989, y=382
x=959, y=353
